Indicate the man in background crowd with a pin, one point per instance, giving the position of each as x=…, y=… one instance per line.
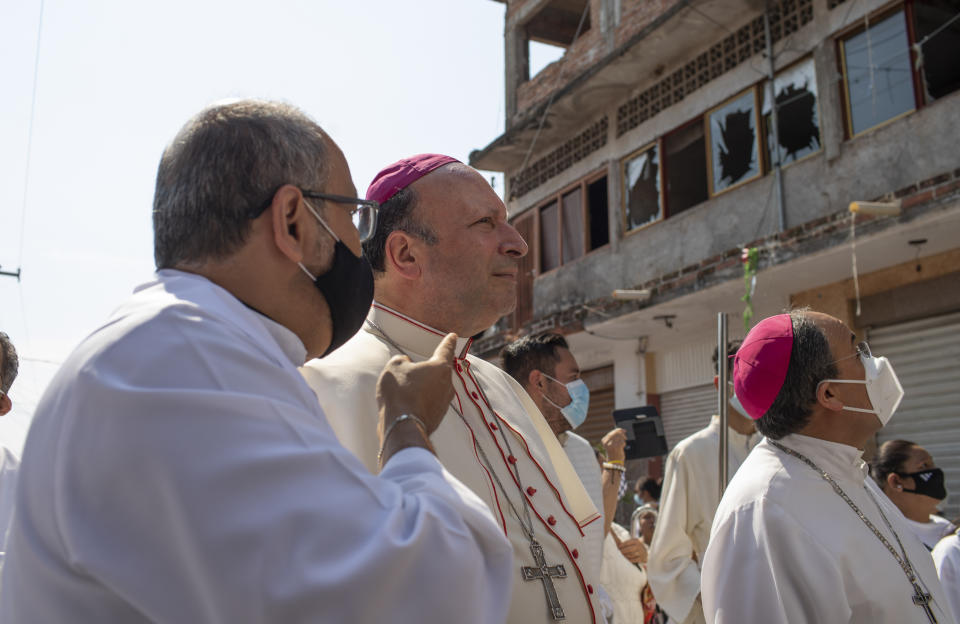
x=9, y=462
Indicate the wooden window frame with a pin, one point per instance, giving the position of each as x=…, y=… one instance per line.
x=661, y=196
x=767, y=163
x=582, y=184
x=855, y=29
x=758, y=135
x=665, y=163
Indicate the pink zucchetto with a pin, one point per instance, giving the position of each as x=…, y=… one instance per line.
x=760, y=365
x=401, y=174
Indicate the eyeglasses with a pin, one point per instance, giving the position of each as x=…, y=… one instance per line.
x=363, y=212
x=861, y=350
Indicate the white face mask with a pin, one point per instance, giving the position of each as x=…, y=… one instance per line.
x=883, y=387
x=736, y=404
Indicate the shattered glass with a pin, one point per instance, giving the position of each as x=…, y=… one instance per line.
x=733, y=142
x=798, y=117
x=642, y=200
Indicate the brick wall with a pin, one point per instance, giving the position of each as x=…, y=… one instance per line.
x=590, y=48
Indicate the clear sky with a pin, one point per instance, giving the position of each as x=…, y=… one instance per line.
x=116, y=79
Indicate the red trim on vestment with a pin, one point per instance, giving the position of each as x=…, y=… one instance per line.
x=532, y=458
x=593, y=519
x=493, y=487
x=424, y=328
x=546, y=526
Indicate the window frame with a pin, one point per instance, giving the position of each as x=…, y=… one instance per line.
x=854, y=29
x=582, y=183
x=768, y=165
x=758, y=125
x=661, y=196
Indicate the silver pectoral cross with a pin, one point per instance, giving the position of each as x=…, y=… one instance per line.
x=544, y=573
x=922, y=600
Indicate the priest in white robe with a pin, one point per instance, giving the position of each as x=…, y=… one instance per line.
x=946, y=556
x=689, y=499
x=178, y=469
x=445, y=259
x=801, y=535
x=9, y=461
x=546, y=368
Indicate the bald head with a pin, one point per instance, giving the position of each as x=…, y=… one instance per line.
x=450, y=259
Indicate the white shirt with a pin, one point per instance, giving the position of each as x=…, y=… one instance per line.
x=9, y=467
x=622, y=580
x=499, y=420
x=946, y=556
x=930, y=532
x=178, y=469
x=786, y=549
x=584, y=461
x=690, y=496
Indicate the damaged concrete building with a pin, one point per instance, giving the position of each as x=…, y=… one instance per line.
x=672, y=134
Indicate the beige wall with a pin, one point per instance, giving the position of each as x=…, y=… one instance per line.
x=837, y=299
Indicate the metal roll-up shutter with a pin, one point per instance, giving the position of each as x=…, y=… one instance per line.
x=926, y=357
x=600, y=413
x=687, y=411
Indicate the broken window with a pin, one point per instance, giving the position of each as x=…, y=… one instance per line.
x=732, y=140
x=552, y=29
x=641, y=197
x=798, y=121
x=685, y=165
x=877, y=77
x=940, y=72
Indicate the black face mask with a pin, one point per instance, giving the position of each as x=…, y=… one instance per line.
x=927, y=482
x=348, y=289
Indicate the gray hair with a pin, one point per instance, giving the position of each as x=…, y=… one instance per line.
x=811, y=361
x=222, y=170
x=10, y=363
x=395, y=215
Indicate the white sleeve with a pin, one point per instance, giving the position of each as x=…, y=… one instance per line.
x=762, y=567
x=673, y=574
x=946, y=556
x=226, y=506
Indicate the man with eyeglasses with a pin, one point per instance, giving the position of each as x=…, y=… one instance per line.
x=446, y=259
x=9, y=462
x=801, y=533
x=178, y=469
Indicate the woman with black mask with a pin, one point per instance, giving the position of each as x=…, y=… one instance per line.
x=908, y=476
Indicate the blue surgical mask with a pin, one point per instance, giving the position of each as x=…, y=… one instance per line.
x=576, y=411
x=736, y=404
x=638, y=500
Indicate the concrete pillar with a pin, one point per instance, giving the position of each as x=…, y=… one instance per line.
x=516, y=67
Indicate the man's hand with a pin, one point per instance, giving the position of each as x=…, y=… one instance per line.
x=613, y=444
x=633, y=549
x=422, y=389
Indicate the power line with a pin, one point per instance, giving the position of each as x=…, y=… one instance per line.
x=33, y=109
x=560, y=76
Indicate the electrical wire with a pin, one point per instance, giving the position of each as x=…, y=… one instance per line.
x=33, y=110
x=553, y=94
